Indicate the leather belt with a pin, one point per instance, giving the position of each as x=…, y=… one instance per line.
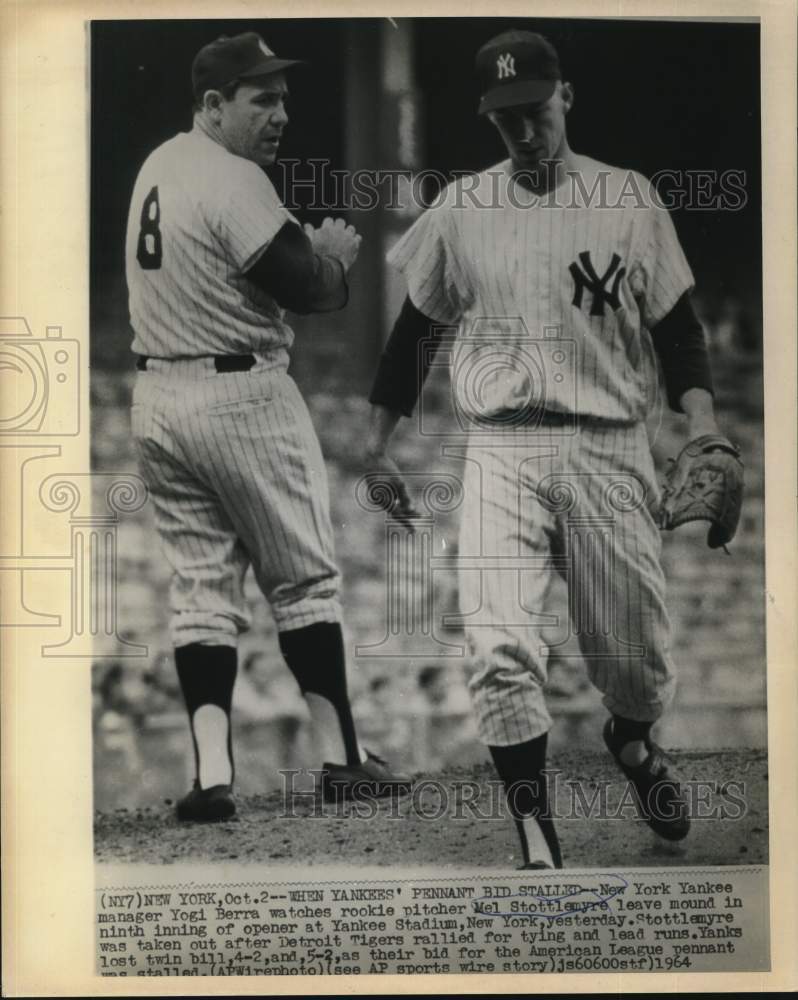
x=533, y=418
x=222, y=362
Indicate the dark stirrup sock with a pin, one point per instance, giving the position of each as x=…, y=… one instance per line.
x=628, y=731
x=520, y=769
x=315, y=656
x=207, y=675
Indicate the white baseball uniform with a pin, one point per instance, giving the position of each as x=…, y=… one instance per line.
x=554, y=372
x=231, y=459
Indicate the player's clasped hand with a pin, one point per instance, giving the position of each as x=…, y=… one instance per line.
x=336, y=239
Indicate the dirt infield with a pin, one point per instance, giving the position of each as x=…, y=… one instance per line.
x=448, y=821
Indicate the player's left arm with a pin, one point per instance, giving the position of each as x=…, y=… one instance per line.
x=676, y=330
x=698, y=405
x=705, y=482
x=682, y=350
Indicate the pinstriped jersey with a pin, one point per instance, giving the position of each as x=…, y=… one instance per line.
x=552, y=296
x=199, y=217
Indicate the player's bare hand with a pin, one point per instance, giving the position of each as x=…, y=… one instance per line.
x=388, y=490
x=336, y=239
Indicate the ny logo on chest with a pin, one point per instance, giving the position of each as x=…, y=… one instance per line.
x=586, y=279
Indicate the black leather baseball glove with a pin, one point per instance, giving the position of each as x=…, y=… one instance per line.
x=705, y=483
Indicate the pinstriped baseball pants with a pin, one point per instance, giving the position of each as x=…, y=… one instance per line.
x=236, y=476
x=540, y=504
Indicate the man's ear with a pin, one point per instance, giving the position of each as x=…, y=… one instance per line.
x=212, y=104
x=567, y=95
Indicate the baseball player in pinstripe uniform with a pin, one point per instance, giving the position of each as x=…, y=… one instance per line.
x=224, y=438
x=564, y=282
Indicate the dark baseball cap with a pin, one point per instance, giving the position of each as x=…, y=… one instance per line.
x=236, y=58
x=516, y=67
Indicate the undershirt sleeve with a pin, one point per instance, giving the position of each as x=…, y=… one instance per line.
x=681, y=347
x=404, y=366
x=295, y=277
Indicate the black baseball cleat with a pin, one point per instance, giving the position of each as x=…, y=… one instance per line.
x=207, y=805
x=658, y=788
x=370, y=780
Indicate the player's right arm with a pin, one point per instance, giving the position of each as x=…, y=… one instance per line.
x=382, y=467
x=305, y=273
x=269, y=247
x=400, y=377
x=436, y=296
x=401, y=373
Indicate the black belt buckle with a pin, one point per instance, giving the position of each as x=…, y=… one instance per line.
x=234, y=362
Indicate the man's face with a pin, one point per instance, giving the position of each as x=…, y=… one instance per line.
x=535, y=132
x=252, y=122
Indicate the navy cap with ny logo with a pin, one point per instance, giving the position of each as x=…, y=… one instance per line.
x=516, y=67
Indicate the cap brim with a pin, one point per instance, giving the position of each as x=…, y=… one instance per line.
x=269, y=66
x=510, y=95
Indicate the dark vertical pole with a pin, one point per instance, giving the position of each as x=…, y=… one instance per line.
x=362, y=96
x=400, y=140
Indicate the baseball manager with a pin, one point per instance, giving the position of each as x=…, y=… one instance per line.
x=224, y=439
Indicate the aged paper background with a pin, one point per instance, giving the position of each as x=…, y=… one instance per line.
x=48, y=931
